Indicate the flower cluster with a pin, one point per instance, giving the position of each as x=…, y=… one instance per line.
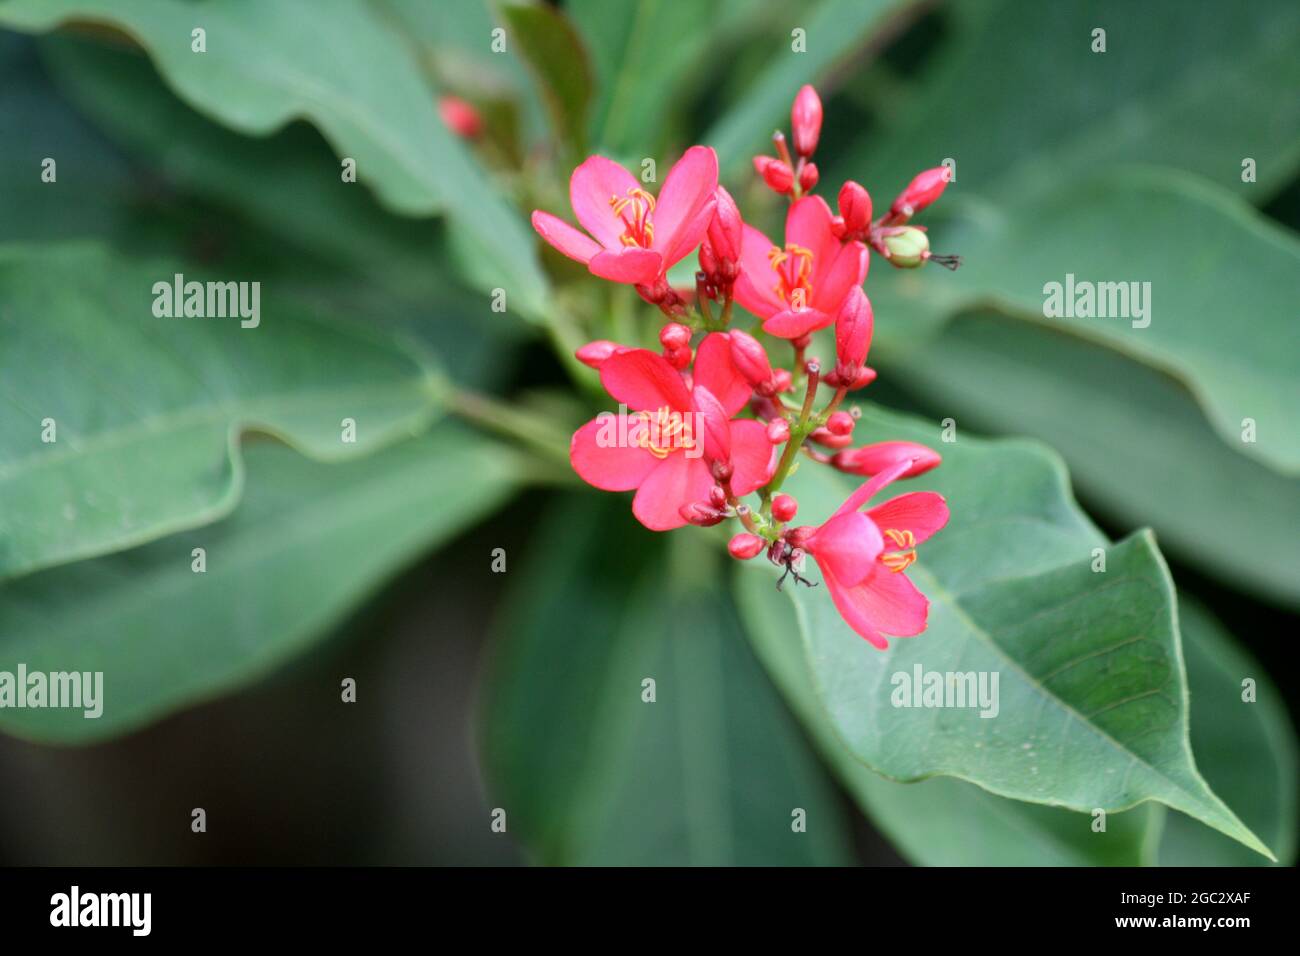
x=709, y=420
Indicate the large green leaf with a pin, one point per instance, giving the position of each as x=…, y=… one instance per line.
x=587, y=772
x=1134, y=439
x=833, y=29
x=147, y=412
x=308, y=543
x=552, y=48
x=1247, y=750
x=1018, y=98
x=944, y=821
x=1093, y=699
x=343, y=69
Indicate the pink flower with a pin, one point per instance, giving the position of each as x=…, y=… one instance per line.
x=666, y=447
x=862, y=557
x=799, y=288
x=636, y=238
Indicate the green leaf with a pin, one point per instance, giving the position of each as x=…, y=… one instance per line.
x=308, y=543
x=833, y=30
x=145, y=413
x=1018, y=98
x=554, y=51
x=1134, y=440
x=709, y=773
x=944, y=821
x=1247, y=751
x=342, y=69
x=1220, y=289
x=1092, y=709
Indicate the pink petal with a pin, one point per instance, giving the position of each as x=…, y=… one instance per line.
x=685, y=204
x=808, y=224
x=590, y=189
x=631, y=264
x=716, y=434
x=716, y=370
x=853, y=615
x=832, y=287
x=599, y=460
x=848, y=545
x=675, y=481
x=756, y=285
x=792, y=323
x=753, y=457
x=564, y=237
x=869, y=487
x=920, y=512
x=644, y=381
x=890, y=602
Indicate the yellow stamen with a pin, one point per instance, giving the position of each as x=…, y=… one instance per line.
x=905, y=554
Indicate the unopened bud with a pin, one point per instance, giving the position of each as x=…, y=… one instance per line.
x=853, y=327
x=778, y=431
x=855, y=207
x=907, y=248
x=840, y=423
x=701, y=514
x=872, y=459
x=678, y=358
x=920, y=192
x=460, y=117
x=750, y=358
x=784, y=508
x=828, y=439
x=865, y=377
x=782, y=380
x=726, y=230
x=674, y=335
x=722, y=471
x=778, y=176
x=594, y=354
x=745, y=546
x=808, y=176
x=806, y=120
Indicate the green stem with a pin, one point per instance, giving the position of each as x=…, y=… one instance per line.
x=531, y=430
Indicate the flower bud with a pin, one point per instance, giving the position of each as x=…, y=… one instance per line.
x=778, y=431
x=701, y=514
x=806, y=121
x=920, y=192
x=808, y=176
x=853, y=327
x=784, y=508
x=750, y=358
x=865, y=377
x=722, y=470
x=855, y=208
x=782, y=380
x=678, y=358
x=828, y=439
x=778, y=176
x=460, y=117
x=594, y=354
x=840, y=423
x=838, y=229
x=718, y=496
x=745, y=546
x=674, y=335
x=872, y=459
x=726, y=230
x=907, y=248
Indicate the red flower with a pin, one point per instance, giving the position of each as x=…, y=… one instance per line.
x=862, y=557
x=666, y=447
x=799, y=288
x=636, y=238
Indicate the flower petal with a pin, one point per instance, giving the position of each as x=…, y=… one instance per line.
x=713, y=424
x=792, y=323
x=632, y=265
x=716, y=371
x=890, y=602
x=848, y=269
x=920, y=512
x=853, y=615
x=808, y=224
x=871, y=486
x=848, y=545
x=757, y=282
x=602, y=457
x=564, y=237
x=753, y=457
x=685, y=204
x=590, y=189
x=675, y=481
x=644, y=381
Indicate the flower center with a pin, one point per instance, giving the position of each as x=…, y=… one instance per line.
x=904, y=554
x=663, y=432
x=635, y=209
x=793, y=267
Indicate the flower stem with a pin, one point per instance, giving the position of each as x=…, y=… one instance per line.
x=528, y=429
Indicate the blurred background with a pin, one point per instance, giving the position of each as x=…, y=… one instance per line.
x=287, y=773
